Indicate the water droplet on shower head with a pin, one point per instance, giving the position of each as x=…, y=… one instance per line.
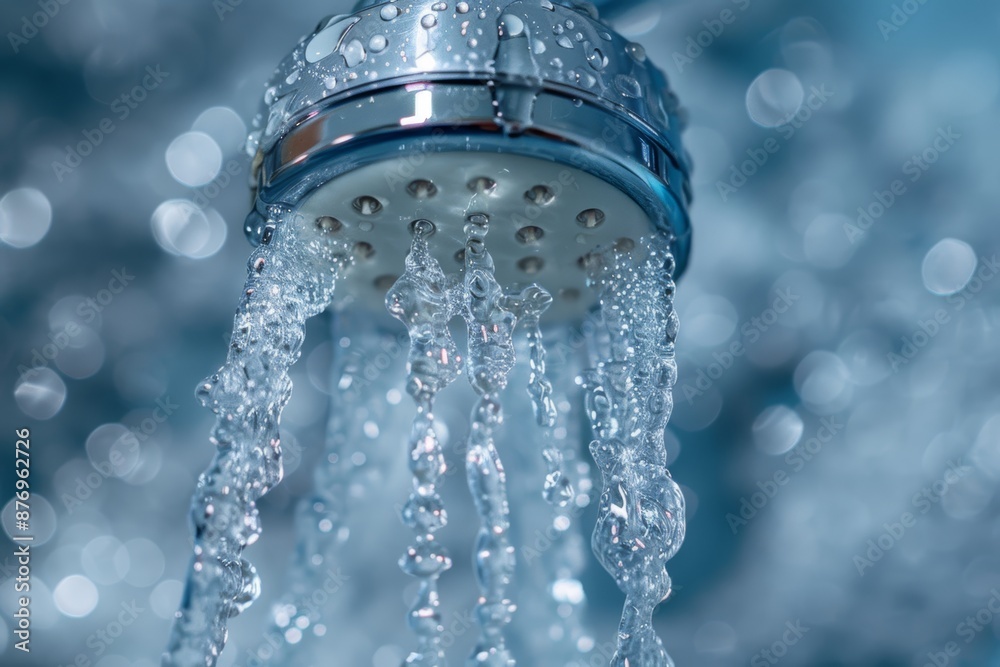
x=511, y=26
x=354, y=53
x=598, y=60
x=585, y=78
x=637, y=52
x=628, y=86
x=325, y=42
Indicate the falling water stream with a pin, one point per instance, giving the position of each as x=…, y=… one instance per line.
x=640, y=523
x=346, y=473
x=424, y=301
x=289, y=281
x=626, y=396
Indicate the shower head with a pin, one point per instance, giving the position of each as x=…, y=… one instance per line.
x=533, y=114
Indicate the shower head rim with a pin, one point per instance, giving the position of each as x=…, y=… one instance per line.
x=296, y=144
x=288, y=178
x=669, y=142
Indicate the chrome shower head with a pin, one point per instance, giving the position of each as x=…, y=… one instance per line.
x=532, y=113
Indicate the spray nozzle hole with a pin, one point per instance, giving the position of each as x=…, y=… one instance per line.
x=483, y=185
x=590, y=262
x=570, y=294
x=625, y=245
x=367, y=205
x=422, y=189
x=422, y=228
x=363, y=250
x=530, y=235
x=531, y=265
x=592, y=218
x=540, y=195
x=328, y=225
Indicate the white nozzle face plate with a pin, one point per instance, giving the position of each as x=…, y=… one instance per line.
x=545, y=219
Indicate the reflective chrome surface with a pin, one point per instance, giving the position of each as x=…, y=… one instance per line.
x=527, y=78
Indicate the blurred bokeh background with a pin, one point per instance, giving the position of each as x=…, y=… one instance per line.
x=837, y=424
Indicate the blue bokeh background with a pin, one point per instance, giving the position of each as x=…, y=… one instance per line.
x=846, y=235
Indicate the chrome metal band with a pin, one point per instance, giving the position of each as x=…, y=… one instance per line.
x=421, y=117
